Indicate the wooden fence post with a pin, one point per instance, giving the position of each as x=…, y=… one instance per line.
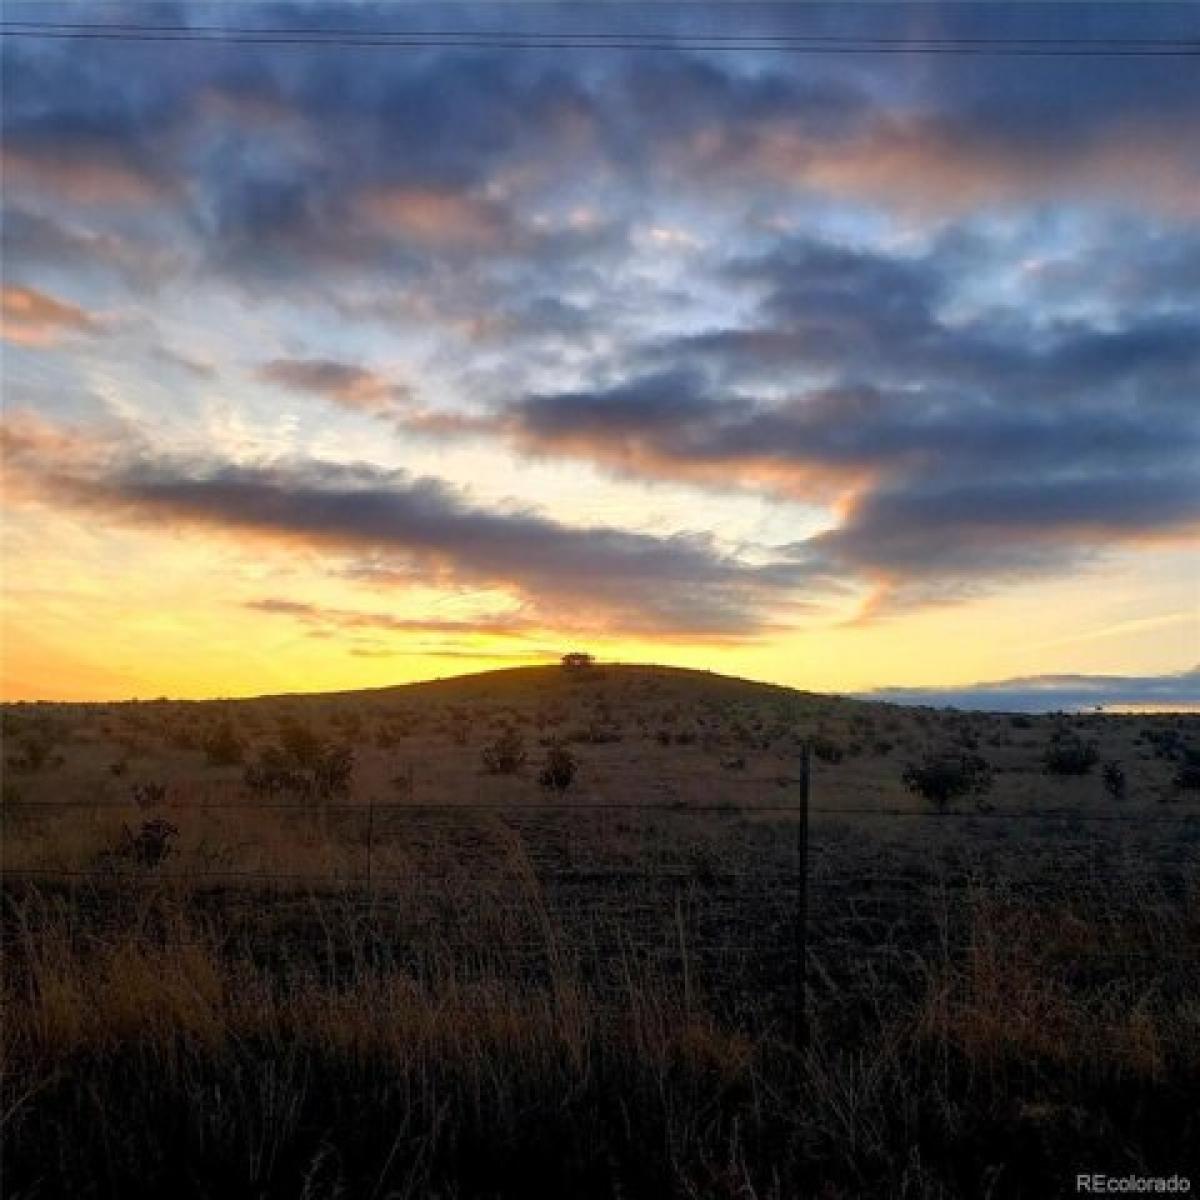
x=800, y=911
x=370, y=838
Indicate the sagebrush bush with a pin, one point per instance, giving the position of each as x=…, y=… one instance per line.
x=222, y=746
x=1187, y=777
x=1115, y=783
x=151, y=846
x=559, y=768
x=506, y=755
x=1069, y=754
x=827, y=750
x=947, y=776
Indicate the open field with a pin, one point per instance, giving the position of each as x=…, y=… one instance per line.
x=355, y=960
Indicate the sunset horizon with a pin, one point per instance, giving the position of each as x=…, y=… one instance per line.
x=839, y=371
x=599, y=600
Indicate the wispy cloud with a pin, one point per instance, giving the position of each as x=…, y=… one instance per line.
x=29, y=317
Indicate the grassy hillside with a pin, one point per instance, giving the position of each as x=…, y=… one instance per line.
x=534, y=933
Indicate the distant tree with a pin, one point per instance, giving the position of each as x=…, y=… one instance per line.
x=942, y=778
x=578, y=660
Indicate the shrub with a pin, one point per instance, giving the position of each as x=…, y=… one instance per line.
x=333, y=771
x=506, y=755
x=146, y=795
x=304, y=770
x=274, y=775
x=1115, y=783
x=596, y=735
x=827, y=750
x=222, y=747
x=151, y=845
x=948, y=776
x=1187, y=778
x=1069, y=754
x=35, y=745
x=558, y=770
x=301, y=744
x=1166, y=743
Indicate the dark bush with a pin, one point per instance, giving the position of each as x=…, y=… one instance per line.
x=273, y=774
x=305, y=771
x=301, y=744
x=151, y=845
x=506, y=755
x=1187, y=778
x=558, y=770
x=1115, y=783
x=827, y=750
x=333, y=771
x=146, y=795
x=1069, y=754
x=35, y=742
x=1167, y=743
x=222, y=747
x=948, y=776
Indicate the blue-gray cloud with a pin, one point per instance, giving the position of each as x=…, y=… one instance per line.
x=1053, y=693
x=389, y=525
x=983, y=342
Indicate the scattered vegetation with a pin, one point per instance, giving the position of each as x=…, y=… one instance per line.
x=1115, y=782
x=1070, y=754
x=583, y=1002
x=559, y=768
x=506, y=755
x=222, y=747
x=947, y=776
x=151, y=846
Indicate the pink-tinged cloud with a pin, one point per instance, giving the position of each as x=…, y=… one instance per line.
x=82, y=179
x=434, y=217
x=931, y=165
x=598, y=578
x=355, y=388
x=29, y=317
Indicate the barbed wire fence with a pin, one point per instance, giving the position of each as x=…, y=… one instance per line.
x=804, y=894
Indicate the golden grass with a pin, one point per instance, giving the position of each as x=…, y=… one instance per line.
x=468, y=1027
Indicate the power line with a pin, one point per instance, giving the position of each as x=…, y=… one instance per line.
x=566, y=40
x=584, y=35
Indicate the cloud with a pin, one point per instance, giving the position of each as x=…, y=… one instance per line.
x=1054, y=693
x=505, y=625
x=354, y=388
x=34, y=318
x=981, y=355
x=435, y=217
x=596, y=576
x=950, y=448
x=74, y=132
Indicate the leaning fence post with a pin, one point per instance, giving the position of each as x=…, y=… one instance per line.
x=800, y=912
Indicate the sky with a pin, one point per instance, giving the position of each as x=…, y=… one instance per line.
x=341, y=365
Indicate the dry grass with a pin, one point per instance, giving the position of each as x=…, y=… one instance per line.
x=524, y=1005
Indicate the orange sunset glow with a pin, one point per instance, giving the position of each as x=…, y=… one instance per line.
x=874, y=374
